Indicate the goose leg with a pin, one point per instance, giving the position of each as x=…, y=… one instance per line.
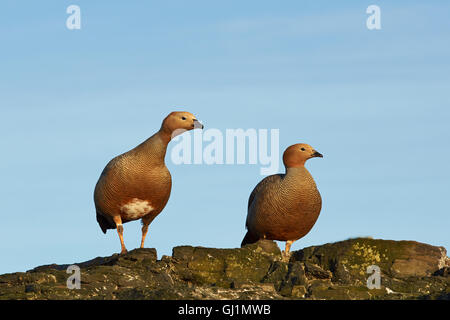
x=286, y=252
x=145, y=223
x=118, y=221
x=144, y=233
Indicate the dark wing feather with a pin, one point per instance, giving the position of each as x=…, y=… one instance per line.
x=261, y=185
x=105, y=222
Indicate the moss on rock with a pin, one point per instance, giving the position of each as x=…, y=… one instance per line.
x=409, y=270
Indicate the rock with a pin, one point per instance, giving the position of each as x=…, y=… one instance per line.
x=314, y=271
x=329, y=293
x=348, y=260
x=409, y=270
x=293, y=278
x=444, y=272
x=298, y=291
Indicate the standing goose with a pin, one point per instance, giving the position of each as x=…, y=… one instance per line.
x=285, y=206
x=137, y=184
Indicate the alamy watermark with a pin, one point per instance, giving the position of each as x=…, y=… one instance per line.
x=374, y=280
x=373, y=22
x=73, y=22
x=74, y=281
x=234, y=146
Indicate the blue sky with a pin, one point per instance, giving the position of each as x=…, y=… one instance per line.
x=375, y=103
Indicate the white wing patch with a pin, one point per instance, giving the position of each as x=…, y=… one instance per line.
x=136, y=209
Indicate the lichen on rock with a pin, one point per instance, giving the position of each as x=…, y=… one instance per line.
x=409, y=270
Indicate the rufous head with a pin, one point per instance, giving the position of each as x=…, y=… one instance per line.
x=178, y=122
x=296, y=155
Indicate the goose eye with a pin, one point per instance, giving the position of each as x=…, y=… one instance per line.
x=303, y=149
x=183, y=118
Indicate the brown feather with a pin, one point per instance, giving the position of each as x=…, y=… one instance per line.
x=140, y=173
x=284, y=206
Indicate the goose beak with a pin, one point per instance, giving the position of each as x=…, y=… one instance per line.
x=317, y=154
x=198, y=124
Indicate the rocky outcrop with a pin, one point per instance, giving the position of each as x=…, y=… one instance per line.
x=408, y=270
